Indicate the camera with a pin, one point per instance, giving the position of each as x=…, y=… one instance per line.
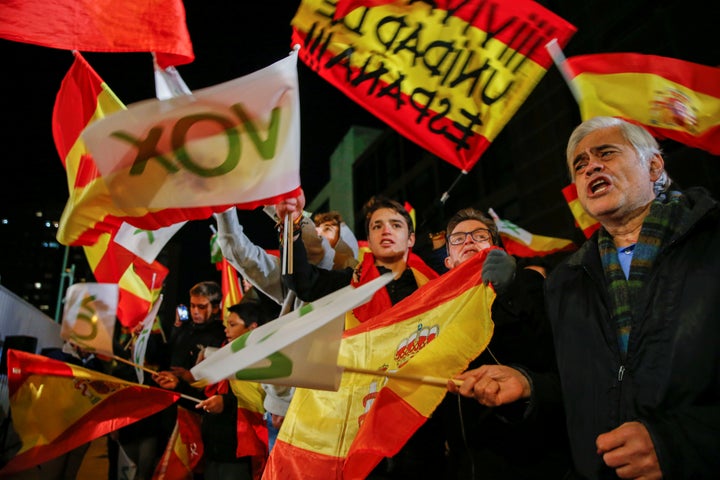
x=182, y=312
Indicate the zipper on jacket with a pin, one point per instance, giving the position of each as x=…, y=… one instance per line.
x=621, y=373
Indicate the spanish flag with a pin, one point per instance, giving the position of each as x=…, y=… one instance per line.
x=84, y=98
x=184, y=449
x=447, y=75
x=90, y=218
x=435, y=332
x=672, y=98
x=521, y=243
x=252, y=430
x=583, y=220
x=56, y=406
x=230, y=284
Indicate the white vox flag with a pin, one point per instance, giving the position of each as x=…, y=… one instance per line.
x=298, y=349
x=234, y=143
x=146, y=244
x=89, y=316
x=140, y=345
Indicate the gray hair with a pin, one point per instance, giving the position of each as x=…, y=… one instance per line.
x=640, y=139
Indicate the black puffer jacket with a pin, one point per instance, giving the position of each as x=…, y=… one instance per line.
x=670, y=380
x=483, y=444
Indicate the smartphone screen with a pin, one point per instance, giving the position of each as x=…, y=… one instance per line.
x=182, y=312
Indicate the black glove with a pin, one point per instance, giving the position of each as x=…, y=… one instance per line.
x=498, y=269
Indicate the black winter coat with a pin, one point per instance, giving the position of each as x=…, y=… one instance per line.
x=670, y=380
x=483, y=443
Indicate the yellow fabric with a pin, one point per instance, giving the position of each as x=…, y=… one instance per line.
x=369, y=53
x=250, y=395
x=632, y=95
x=327, y=422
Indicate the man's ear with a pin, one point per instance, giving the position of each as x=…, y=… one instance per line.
x=657, y=166
x=253, y=326
x=448, y=263
x=411, y=239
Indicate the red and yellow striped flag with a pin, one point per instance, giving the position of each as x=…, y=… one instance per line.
x=434, y=332
x=230, y=284
x=84, y=98
x=671, y=98
x=57, y=406
x=521, y=243
x=252, y=430
x=583, y=220
x=447, y=75
x=184, y=449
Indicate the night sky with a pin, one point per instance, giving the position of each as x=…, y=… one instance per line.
x=230, y=39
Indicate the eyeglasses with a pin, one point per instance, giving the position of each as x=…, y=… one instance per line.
x=478, y=235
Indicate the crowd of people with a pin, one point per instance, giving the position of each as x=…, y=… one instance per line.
x=603, y=366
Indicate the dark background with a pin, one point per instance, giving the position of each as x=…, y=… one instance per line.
x=232, y=38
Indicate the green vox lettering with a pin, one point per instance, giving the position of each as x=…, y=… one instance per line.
x=87, y=314
x=280, y=364
x=147, y=148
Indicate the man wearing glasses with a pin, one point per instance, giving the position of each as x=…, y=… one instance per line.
x=481, y=441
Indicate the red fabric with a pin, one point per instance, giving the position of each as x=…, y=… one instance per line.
x=184, y=449
x=380, y=302
x=252, y=439
x=101, y=26
x=123, y=403
x=583, y=220
x=400, y=106
x=704, y=100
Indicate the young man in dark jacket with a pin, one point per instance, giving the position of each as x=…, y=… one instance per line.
x=635, y=317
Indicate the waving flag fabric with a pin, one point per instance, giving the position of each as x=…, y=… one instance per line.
x=184, y=449
x=583, y=219
x=252, y=430
x=84, y=98
x=56, y=406
x=233, y=143
x=140, y=283
x=230, y=285
x=146, y=244
x=434, y=332
x=299, y=348
x=447, y=75
x=101, y=26
x=89, y=316
x=521, y=243
x=141, y=341
x=671, y=98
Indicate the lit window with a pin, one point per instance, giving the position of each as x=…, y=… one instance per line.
x=38, y=285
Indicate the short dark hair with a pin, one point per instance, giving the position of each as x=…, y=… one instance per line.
x=380, y=201
x=208, y=289
x=332, y=216
x=472, y=214
x=250, y=311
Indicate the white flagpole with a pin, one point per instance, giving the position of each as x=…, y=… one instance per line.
x=556, y=53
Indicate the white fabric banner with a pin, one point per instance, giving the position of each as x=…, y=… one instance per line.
x=233, y=143
x=146, y=244
x=89, y=316
x=140, y=345
x=298, y=349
